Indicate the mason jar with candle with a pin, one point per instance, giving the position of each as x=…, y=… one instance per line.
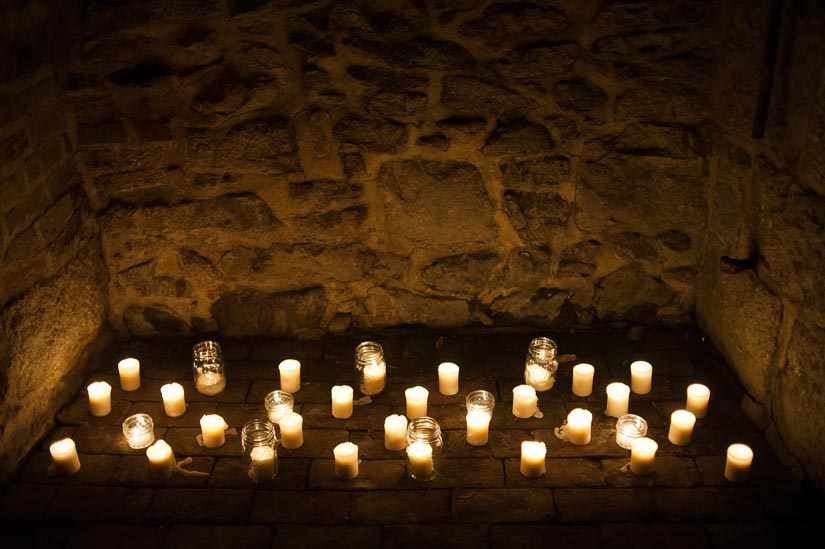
x=629, y=427
x=259, y=454
x=480, y=406
x=278, y=404
x=540, y=365
x=208, y=368
x=139, y=430
x=370, y=368
x=424, y=448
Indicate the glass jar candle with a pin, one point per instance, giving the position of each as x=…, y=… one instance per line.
x=139, y=431
x=480, y=406
x=628, y=428
x=540, y=365
x=278, y=404
x=424, y=448
x=208, y=368
x=370, y=368
x=259, y=454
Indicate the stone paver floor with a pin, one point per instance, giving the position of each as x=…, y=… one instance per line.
x=478, y=499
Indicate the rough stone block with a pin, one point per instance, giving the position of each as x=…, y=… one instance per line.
x=447, y=536
x=292, y=536
x=26, y=502
x=603, y=505
x=194, y=505
x=682, y=536
x=372, y=134
x=104, y=503
x=94, y=469
x=401, y=507
x=279, y=507
x=384, y=474
x=117, y=535
x=503, y=505
x=232, y=473
x=466, y=473
x=135, y=471
x=532, y=536
x=472, y=96
x=701, y=504
x=669, y=471
x=260, y=146
x=391, y=307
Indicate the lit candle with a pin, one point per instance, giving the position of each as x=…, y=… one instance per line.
x=681, y=427
x=278, y=404
x=578, y=426
x=539, y=378
x=139, y=430
x=641, y=377
x=100, y=398
x=525, y=401
x=174, y=403
x=129, y=370
x=448, y=378
x=395, y=432
x=342, y=401
x=161, y=459
x=263, y=463
x=346, y=460
x=212, y=430
x=64, y=456
x=375, y=376
x=532, y=458
x=290, y=370
x=583, y=379
x=478, y=427
x=416, y=401
x=738, y=463
x=420, y=459
x=618, y=395
x=210, y=383
x=292, y=431
x=698, y=396
x=642, y=454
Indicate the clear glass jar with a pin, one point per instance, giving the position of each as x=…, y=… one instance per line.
x=481, y=401
x=540, y=365
x=628, y=428
x=139, y=431
x=278, y=404
x=258, y=446
x=207, y=368
x=424, y=448
x=370, y=368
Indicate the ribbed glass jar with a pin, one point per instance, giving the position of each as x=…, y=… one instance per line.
x=259, y=453
x=424, y=448
x=628, y=428
x=139, y=431
x=278, y=404
x=370, y=368
x=540, y=365
x=208, y=368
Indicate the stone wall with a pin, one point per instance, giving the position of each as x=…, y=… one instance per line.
x=265, y=168
x=766, y=205
x=52, y=276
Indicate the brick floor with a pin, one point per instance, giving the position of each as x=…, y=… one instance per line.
x=478, y=499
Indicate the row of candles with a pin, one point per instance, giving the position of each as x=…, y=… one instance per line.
x=400, y=431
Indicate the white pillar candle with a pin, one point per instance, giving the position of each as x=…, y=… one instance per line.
x=533, y=458
x=290, y=370
x=375, y=376
x=578, y=426
x=618, y=395
x=161, y=459
x=420, y=459
x=342, y=401
x=642, y=454
x=583, y=379
x=292, y=431
x=395, y=432
x=738, y=463
x=129, y=370
x=174, y=403
x=525, y=401
x=448, y=378
x=212, y=430
x=64, y=456
x=681, y=427
x=263, y=463
x=478, y=427
x=698, y=396
x=641, y=377
x=100, y=398
x=346, y=460
x=416, y=401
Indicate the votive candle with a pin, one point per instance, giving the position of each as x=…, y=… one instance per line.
x=420, y=459
x=263, y=463
x=292, y=431
x=641, y=377
x=100, y=398
x=698, y=397
x=448, y=378
x=583, y=379
x=290, y=370
x=478, y=427
x=395, y=432
x=579, y=421
x=416, y=401
x=681, y=427
x=738, y=462
x=161, y=459
x=346, y=460
x=64, y=456
x=618, y=395
x=129, y=370
x=342, y=401
x=642, y=455
x=212, y=430
x=533, y=459
x=525, y=401
x=174, y=403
